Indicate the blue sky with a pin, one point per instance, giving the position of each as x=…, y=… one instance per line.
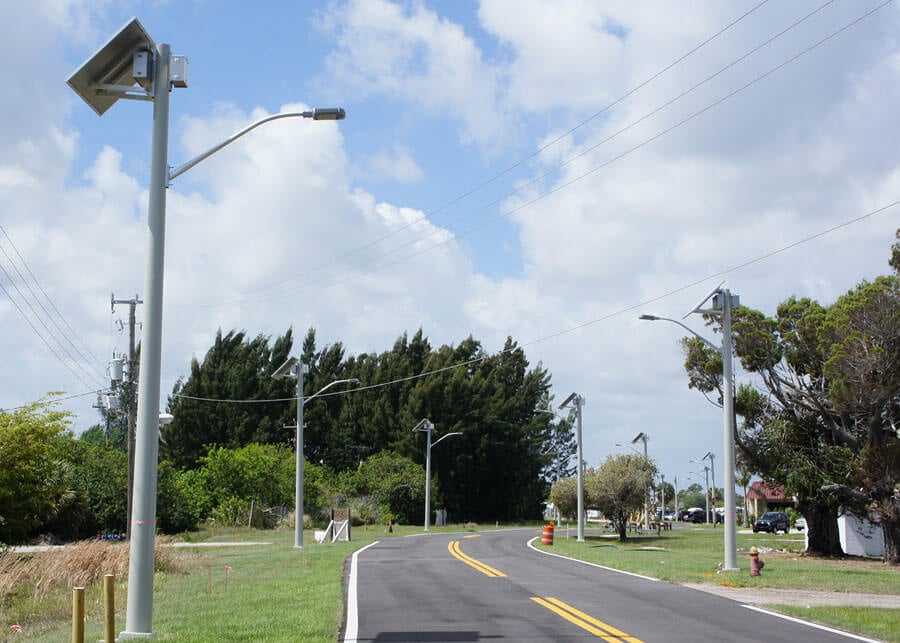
x=528, y=171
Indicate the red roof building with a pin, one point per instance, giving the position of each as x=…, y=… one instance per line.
x=763, y=496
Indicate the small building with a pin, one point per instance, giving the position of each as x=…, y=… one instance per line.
x=767, y=496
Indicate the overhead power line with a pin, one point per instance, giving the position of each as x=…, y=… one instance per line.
x=495, y=177
x=453, y=237
x=63, y=337
x=579, y=326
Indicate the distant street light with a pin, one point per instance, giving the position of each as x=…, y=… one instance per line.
x=722, y=303
x=426, y=426
x=643, y=437
x=132, y=66
x=712, y=472
x=293, y=368
x=577, y=402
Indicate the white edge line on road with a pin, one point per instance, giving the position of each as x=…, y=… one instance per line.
x=352, y=627
x=808, y=623
x=530, y=544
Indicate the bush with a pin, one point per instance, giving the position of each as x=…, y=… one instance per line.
x=231, y=512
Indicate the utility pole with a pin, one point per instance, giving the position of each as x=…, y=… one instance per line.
x=643, y=437
x=577, y=403
x=130, y=394
x=712, y=469
x=662, y=491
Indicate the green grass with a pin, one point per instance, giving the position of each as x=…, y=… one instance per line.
x=273, y=592
x=692, y=555
x=881, y=624
x=277, y=593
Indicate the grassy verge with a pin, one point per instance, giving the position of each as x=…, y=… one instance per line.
x=692, y=555
x=273, y=592
x=881, y=624
x=267, y=592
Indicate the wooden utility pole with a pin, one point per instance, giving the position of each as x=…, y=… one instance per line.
x=130, y=394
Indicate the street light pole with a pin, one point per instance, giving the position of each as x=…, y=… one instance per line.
x=427, y=426
x=712, y=470
x=643, y=437
x=142, y=531
x=132, y=66
x=724, y=301
x=722, y=304
x=662, y=491
x=294, y=368
x=577, y=402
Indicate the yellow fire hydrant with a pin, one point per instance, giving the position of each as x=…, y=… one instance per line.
x=756, y=564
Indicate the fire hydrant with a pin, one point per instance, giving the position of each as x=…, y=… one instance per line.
x=756, y=564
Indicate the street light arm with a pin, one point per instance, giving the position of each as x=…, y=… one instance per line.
x=325, y=388
x=446, y=435
x=331, y=113
x=618, y=444
x=718, y=349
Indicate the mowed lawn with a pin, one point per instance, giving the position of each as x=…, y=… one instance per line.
x=273, y=592
x=692, y=554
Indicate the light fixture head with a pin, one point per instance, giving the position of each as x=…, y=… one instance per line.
x=329, y=114
x=567, y=400
x=286, y=369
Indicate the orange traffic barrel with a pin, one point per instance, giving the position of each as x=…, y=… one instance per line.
x=547, y=534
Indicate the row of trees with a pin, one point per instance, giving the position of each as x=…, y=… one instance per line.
x=228, y=449
x=496, y=470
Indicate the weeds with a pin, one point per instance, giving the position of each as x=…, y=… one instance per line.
x=33, y=584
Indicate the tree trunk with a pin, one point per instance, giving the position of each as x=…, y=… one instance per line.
x=891, y=529
x=821, y=522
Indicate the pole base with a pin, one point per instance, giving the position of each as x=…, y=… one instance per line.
x=136, y=635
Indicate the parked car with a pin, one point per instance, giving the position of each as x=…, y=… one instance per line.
x=800, y=524
x=695, y=515
x=772, y=522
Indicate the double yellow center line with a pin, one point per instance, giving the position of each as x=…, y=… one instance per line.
x=585, y=621
x=487, y=570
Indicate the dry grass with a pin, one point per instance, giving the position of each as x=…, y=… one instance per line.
x=79, y=564
x=35, y=588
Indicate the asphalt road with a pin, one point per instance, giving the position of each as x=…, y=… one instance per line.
x=494, y=587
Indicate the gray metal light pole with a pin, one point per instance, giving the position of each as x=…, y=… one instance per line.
x=294, y=368
x=298, y=462
x=643, y=437
x=662, y=491
x=142, y=531
x=426, y=426
x=676, y=498
x=706, y=471
x=712, y=471
x=132, y=66
x=722, y=303
x=577, y=402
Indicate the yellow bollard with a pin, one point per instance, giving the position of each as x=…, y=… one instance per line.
x=78, y=615
x=109, y=608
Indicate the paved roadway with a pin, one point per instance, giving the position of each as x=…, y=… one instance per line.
x=493, y=587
